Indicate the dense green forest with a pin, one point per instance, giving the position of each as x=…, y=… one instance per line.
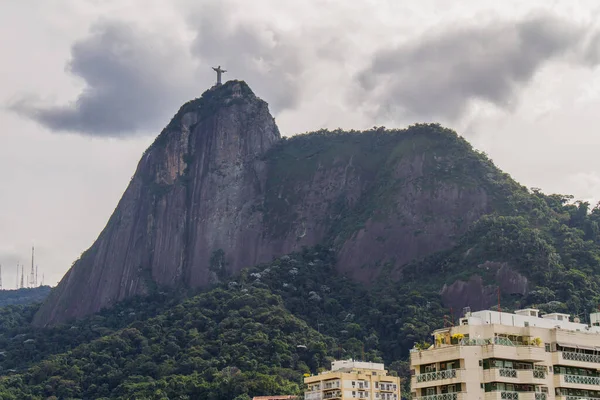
x=258, y=332
x=24, y=295
x=224, y=344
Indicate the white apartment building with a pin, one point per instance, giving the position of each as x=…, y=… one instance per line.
x=492, y=355
x=350, y=379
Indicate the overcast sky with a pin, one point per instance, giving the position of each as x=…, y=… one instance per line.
x=86, y=85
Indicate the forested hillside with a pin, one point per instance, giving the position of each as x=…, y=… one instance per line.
x=224, y=344
x=24, y=295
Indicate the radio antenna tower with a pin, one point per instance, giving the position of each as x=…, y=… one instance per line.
x=17, y=285
x=32, y=276
x=22, y=276
x=0, y=276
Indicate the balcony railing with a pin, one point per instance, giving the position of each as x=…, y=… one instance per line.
x=540, y=396
x=508, y=373
x=332, y=395
x=509, y=395
x=572, y=356
x=441, y=396
x=437, y=375
x=581, y=379
x=539, y=374
x=579, y=398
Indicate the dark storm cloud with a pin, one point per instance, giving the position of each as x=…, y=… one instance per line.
x=132, y=83
x=269, y=60
x=439, y=74
x=592, y=51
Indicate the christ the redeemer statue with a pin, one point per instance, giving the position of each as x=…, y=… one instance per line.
x=219, y=72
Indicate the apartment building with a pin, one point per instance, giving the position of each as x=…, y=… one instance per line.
x=350, y=379
x=492, y=355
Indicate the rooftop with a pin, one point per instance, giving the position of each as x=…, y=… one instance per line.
x=285, y=397
x=531, y=317
x=349, y=365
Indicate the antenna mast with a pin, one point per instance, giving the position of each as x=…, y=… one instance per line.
x=22, y=276
x=17, y=285
x=0, y=276
x=32, y=276
x=499, y=309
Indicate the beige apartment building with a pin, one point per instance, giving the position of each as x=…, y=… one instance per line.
x=492, y=355
x=350, y=379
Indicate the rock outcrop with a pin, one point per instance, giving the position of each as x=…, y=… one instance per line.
x=479, y=296
x=219, y=190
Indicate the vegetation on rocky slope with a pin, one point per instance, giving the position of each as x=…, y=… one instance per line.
x=374, y=155
x=24, y=295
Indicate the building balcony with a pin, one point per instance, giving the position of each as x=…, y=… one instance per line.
x=331, y=385
x=313, y=395
x=446, y=352
x=520, y=353
x=444, y=396
x=532, y=375
x=333, y=395
x=574, y=359
x=567, y=397
x=501, y=375
x=513, y=375
x=577, y=382
x=505, y=395
x=533, y=396
x=445, y=377
x=501, y=395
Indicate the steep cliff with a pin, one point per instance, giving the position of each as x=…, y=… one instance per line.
x=191, y=195
x=219, y=190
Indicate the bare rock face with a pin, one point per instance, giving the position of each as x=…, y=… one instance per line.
x=478, y=296
x=191, y=195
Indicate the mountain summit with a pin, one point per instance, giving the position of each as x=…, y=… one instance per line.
x=190, y=196
x=219, y=191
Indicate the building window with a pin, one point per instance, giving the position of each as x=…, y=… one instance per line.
x=430, y=368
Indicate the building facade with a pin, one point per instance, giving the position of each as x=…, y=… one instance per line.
x=353, y=380
x=492, y=355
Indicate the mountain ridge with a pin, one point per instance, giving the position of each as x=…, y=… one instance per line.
x=220, y=190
